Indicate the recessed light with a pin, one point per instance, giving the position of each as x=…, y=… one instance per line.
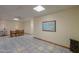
x=16, y=19
x=39, y=8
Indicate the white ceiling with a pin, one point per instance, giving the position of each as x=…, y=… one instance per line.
x=8, y=12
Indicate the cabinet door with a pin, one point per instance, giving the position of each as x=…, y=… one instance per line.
x=74, y=46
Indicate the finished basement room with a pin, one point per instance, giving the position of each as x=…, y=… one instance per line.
x=39, y=29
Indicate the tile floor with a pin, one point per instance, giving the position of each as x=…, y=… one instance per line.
x=28, y=44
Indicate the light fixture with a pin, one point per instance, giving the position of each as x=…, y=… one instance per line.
x=16, y=19
x=39, y=8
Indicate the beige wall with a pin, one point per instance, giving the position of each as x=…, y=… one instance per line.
x=11, y=25
x=67, y=26
x=28, y=26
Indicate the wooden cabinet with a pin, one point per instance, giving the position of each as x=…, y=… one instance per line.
x=16, y=33
x=74, y=46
